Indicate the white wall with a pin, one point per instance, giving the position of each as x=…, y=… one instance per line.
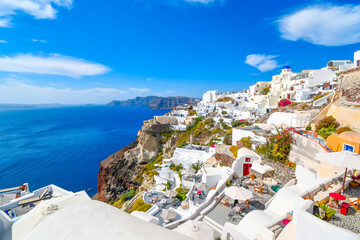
x=238, y=134
x=237, y=166
x=210, y=96
x=310, y=227
x=318, y=77
x=211, y=180
x=357, y=58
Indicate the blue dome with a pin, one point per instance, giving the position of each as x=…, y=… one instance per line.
x=286, y=67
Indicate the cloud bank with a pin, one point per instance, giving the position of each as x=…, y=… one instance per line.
x=54, y=65
x=327, y=25
x=201, y=1
x=38, y=40
x=39, y=9
x=262, y=62
x=14, y=91
x=140, y=90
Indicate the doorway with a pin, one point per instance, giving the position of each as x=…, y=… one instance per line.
x=246, y=169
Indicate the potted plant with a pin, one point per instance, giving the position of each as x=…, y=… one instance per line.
x=354, y=183
x=329, y=213
x=228, y=183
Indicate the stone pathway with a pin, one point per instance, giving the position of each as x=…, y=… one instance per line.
x=283, y=173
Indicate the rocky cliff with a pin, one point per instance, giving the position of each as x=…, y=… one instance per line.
x=155, y=102
x=134, y=166
x=117, y=173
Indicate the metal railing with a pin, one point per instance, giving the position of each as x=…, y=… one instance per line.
x=318, y=140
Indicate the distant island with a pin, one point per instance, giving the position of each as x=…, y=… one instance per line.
x=155, y=102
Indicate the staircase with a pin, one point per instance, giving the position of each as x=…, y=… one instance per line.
x=214, y=225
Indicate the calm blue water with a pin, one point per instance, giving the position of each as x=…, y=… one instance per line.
x=64, y=146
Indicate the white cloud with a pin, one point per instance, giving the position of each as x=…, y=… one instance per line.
x=54, y=65
x=3, y=41
x=262, y=62
x=4, y=22
x=38, y=40
x=140, y=90
x=14, y=91
x=201, y=1
x=39, y=9
x=327, y=25
x=170, y=91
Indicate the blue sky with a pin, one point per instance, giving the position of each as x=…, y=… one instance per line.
x=87, y=51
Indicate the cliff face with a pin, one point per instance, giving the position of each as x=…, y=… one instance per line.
x=121, y=171
x=155, y=102
x=117, y=172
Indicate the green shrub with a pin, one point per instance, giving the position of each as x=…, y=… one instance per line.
x=197, y=132
x=181, y=196
x=140, y=205
x=343, y=129
x=197, y=166
x=308, y=128
x=318, y=97
x=182, y=190
x=228, y=137
x=176, y=167
x=224, y=99
x=223, y=112
x=228, y=183
x=225, y=126
x=234, y=150
x=241, y=123
x=209, y=122
x=265, y=91
x=130, y=194
x=149, y=169
x=277, y=146
x=215, y=131
x=325, y=132
x=245, y=141
x=329, y=121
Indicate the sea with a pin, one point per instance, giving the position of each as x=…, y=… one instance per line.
x=64, y=145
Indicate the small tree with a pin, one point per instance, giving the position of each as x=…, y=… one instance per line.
x=265, y=91
x=329, y=121
x=277, y=146
x=228, y=137
x=245, y=141
x=343, y=129
x=234, y=150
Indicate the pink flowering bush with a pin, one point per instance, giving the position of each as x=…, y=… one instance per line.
x=284, y=102
x=278, y=146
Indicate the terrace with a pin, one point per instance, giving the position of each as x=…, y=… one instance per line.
x=352, y=219
x=234, y=211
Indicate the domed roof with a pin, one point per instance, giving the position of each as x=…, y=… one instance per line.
x=286, y=67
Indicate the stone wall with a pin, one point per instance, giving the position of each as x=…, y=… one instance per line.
x=346, y=116
x=350, y=85
x=225, y=159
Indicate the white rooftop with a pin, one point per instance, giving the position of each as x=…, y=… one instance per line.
x=78, y=217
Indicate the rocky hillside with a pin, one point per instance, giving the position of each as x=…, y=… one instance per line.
x=155, y=102
x=134, y=166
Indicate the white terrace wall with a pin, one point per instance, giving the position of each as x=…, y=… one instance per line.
x=303, y=153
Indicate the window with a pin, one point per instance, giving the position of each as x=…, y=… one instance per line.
x=247, y=159
x=347, y=147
